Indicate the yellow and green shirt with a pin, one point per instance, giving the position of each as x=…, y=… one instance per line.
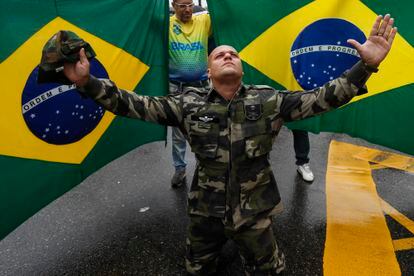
x=188, y=48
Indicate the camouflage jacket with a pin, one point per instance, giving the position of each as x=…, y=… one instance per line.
x=231, y=139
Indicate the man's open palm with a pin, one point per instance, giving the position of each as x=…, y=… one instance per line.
x=379, y=42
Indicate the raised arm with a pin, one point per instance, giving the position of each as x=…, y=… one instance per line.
x=162, y=110
x=296, y=106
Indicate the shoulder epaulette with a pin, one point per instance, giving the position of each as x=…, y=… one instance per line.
x=260, y=87
x=198, y=90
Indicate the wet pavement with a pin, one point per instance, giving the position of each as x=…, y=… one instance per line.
x=126, y=220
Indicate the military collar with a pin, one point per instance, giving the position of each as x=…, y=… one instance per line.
x=214, y=96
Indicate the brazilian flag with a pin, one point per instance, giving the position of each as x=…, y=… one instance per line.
x=302, y=44
x=52, y=138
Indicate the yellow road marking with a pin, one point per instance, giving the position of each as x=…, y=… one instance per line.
x=395, y=214
x=358, y=241
x=387, y=159
x=401, y=244
x=377, y=166
x=404, y=244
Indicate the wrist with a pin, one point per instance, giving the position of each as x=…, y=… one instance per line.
x=371, y=68
x=82, y=82
x=358, y=75
x=92, y=88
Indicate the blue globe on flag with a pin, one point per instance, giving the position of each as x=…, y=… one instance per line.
x=320, y=53
x=58, y=114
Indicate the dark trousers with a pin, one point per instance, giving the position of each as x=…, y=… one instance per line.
x=301, y=146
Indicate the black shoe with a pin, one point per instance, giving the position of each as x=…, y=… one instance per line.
x=179, y=178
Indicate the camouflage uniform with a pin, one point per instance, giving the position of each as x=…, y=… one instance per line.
x=233, y=193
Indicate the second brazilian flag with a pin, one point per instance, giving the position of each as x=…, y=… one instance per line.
x=299, y=45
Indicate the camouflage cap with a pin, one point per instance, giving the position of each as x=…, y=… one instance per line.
x=64, y=46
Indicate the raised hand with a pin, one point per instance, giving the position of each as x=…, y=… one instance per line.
x=379, y=42
x=78, y=72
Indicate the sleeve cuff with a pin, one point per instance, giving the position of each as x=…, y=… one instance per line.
x=358, y=76
x=92, y=87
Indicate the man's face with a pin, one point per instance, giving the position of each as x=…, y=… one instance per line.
x=183, y=9
x=224, y=62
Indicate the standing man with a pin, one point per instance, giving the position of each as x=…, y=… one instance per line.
x=302, y=148
x=231, y=130
x=188, y=50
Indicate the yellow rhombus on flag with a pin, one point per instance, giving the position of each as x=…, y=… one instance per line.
x=125, y=69
x=269, y=52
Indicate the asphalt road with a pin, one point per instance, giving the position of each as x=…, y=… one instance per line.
x=126, y=220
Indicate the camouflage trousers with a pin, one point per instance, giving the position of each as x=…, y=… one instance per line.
x=255, y=240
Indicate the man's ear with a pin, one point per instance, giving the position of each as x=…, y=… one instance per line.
x=208, y=73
